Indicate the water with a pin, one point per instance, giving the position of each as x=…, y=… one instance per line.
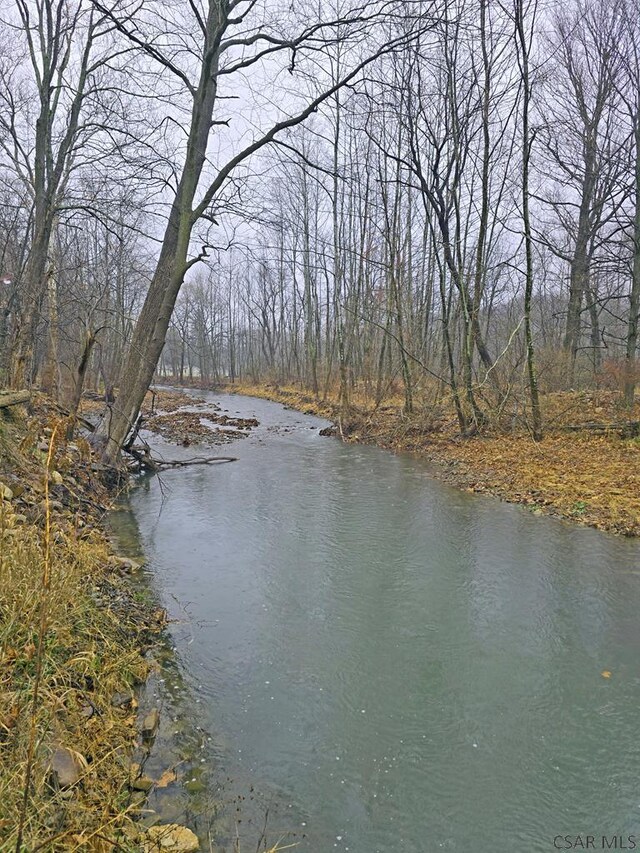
x=390, y=663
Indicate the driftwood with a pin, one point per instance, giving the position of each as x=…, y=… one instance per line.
x=627, y=429
x=198, y=460
x=13, y=398
x=146, y=462
x=143, y=459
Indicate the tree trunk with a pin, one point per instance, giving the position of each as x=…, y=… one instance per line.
x=479, y=276
x=151, y=328
x=148, y=338
x=27, y=316
x=634, y=296
x=50, y=369
x=81, y=372
x=526, y=220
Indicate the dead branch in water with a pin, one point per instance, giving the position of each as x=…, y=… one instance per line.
x=198, y=460
x=146, y=462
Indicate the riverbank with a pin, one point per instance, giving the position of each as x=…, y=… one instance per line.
x=585, y=469
x=89, y=658
x=348, y=614
x=76, y=637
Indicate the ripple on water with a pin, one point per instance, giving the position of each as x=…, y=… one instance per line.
x=322, y=581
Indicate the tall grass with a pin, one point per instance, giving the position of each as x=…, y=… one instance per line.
x=39, y=650
x=64, y=652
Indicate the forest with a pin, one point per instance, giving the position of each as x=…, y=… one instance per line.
x=431, y=199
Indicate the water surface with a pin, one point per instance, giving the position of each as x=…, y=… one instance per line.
x=393, y=664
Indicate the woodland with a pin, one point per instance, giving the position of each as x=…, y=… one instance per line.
x=419, y=219
x=436, y=202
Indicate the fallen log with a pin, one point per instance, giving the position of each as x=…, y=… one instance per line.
x=13, y=398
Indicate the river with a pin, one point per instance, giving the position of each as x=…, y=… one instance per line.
x=386, y=663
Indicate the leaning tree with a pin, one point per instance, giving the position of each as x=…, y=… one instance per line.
x=220, y=53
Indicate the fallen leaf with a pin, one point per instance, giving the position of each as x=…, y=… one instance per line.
x=9, y=720
x=167, y=778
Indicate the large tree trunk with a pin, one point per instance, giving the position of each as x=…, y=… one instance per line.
x=150, y=331
x=147, y=341
x=33, y=286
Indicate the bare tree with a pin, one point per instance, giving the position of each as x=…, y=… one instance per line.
x=583, y=142
x=629, y=92
x=228, y=44
x=524, y=18
x=60, y=39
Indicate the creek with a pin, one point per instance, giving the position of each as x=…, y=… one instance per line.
x=380, y=662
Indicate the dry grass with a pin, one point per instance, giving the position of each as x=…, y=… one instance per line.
x=85, y=657
x=68, y=641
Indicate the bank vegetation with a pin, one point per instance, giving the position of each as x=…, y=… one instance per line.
x=74, y=630
x=586, y=469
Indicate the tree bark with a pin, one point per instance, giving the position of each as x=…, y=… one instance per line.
x=634, y=296
x=526, y=220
